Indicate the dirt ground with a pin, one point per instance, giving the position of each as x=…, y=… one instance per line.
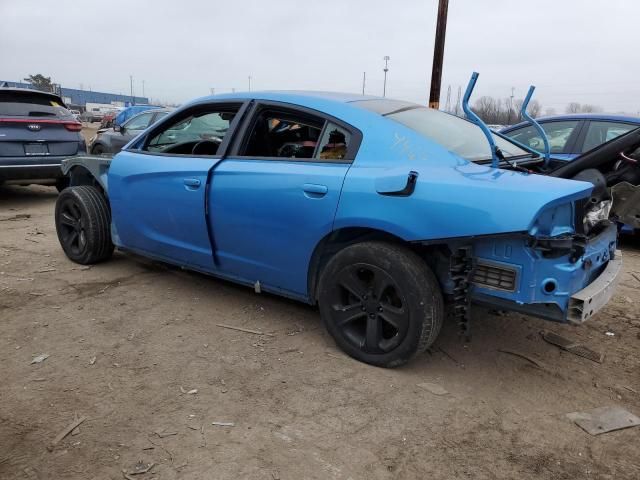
x=129, y=339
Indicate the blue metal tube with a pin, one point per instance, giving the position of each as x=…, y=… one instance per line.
x=495, y=162
x=536, y=125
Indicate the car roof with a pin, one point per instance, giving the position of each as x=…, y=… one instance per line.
x=284, y=95
x=606, y=117
x=349, y=107
x=28, y=90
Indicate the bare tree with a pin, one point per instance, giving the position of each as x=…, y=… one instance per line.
x=573, y=107
x=549, y=111
x=535, y=108
x=503, y=111
x=588, y=108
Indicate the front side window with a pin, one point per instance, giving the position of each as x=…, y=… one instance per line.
x=601, y=132
x=457, y=135
x=558, y=134
x=284, y=135
x=139, y=122
x=200, y=133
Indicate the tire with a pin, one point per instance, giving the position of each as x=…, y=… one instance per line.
x=83, y=224
x=97, y=150
x=380, y=302
x=62, y=183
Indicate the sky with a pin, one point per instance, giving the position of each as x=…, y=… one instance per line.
x=573, y=50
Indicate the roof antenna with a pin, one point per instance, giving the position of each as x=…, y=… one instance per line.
x=496, y=153
x=536, y=125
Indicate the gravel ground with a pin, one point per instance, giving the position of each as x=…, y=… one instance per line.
x=130, y=341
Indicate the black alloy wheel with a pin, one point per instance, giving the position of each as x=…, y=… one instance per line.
x=368, y=308
x=83, y=224
x=380, y=302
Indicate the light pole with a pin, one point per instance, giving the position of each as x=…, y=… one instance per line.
x=249, y=82
x=386, y=69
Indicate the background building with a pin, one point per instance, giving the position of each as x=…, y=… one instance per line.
x=74, y=97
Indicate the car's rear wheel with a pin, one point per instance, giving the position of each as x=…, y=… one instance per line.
x=380, y=302
x=83, y=224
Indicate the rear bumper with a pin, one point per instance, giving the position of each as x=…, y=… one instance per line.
x=546, y=284
x=30, y=168
x=585, y=303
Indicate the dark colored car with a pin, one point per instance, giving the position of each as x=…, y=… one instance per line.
x=572, y=135
x=111, y=140
x=36, y=133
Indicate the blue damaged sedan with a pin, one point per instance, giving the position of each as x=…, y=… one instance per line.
x=380, y=212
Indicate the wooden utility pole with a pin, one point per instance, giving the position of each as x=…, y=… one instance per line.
x=438, y=55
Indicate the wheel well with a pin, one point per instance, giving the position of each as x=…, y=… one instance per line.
x=339, y=239
x=96, y=144
x=81, y=176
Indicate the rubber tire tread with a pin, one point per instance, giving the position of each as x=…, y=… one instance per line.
x=95, y=209
x=425, y=298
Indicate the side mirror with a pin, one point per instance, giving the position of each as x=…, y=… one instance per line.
x=118, y=128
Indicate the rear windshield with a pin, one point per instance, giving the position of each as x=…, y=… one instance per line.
x=31, y=104
x=454, y=133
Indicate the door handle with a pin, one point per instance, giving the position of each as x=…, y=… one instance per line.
x=191, y=183
x=313, y=190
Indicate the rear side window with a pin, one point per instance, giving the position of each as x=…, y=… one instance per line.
x=31, y=104
x=283, y=135
x=334, y=143
x=558, y=134
x=601, y=132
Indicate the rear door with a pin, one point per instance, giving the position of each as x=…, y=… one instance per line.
x=275, y=196
x=35, y=125
x=157, y=189
x=597, y=132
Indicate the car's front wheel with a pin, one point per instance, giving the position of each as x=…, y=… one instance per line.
x=62, y=183
x=97, y=150
x=380, y=302
x=83, y=224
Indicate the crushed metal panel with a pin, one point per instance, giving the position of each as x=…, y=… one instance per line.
x=572, y=347
x=604, y=419
x=626, y=203
x=585, y=303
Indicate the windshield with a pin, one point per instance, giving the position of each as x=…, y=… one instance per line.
x=454, y=133
x=30, y=104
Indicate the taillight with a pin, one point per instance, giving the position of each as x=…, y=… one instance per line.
x=73, y=126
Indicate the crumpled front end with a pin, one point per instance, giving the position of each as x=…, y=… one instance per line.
x=564, y=268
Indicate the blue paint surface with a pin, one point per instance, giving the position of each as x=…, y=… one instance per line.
x=251, y=219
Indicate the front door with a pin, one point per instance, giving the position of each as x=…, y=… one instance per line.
x=275, y=197
x=157, y=191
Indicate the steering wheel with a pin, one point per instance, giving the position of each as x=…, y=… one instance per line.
x=206, y=147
